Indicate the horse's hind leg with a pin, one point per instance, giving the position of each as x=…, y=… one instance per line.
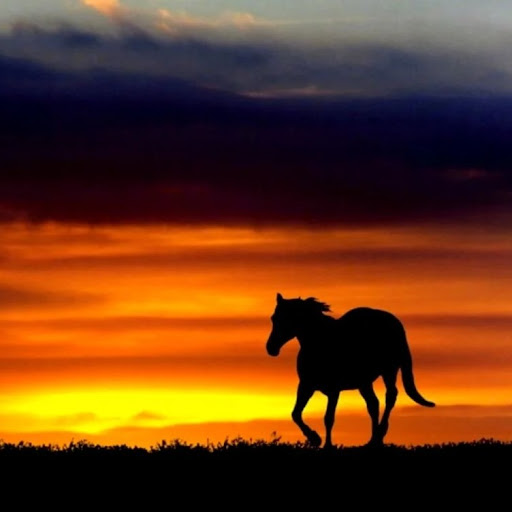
x=304, y=393
x=332, y=402
x=372, y=404
x=391, y=394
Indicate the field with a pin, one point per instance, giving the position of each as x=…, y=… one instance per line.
x=177, y=451
x=235, y=471
x=481, y=456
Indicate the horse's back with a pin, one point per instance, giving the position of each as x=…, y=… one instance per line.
x=371, y=338
x=353, y=350
x=366, y=313
x=364, y=321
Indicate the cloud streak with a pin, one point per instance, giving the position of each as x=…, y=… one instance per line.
x=106, y=7
x=225, y=52
x=14, y=298
x=249, y=366
x=174, y=22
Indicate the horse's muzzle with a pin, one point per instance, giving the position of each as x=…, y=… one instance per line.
x=272, y=350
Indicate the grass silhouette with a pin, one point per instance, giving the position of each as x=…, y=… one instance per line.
x=238, y=474
x=275, y=450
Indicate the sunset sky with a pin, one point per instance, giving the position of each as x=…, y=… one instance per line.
x=167, y=166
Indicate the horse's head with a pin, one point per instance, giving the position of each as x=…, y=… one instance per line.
x=284, y=324
x=290, y=318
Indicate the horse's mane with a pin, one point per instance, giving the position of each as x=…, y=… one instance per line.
x=316, y=306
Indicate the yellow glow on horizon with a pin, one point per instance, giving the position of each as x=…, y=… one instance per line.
x=92, y=411
x=150, y=412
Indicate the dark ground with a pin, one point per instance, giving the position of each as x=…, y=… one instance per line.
x=241, y=473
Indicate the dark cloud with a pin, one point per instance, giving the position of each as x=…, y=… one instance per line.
x=401, y=263
x=115, y=146
x=486, y=323
x=247, y=358
x=464, y=358
x=18, y=74
x=66, y=37
x=142, y=323
x=476, y=321
x=135, y=50
x=357, y=66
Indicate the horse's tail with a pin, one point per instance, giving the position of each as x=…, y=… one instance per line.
x=408, y=377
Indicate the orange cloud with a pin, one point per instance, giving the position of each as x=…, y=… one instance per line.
x=151, y=323
x=107, y=7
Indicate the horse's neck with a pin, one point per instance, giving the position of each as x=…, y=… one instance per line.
x=315, y=331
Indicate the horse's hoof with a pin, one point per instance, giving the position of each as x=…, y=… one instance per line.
x=314, y=439
x=329, y=447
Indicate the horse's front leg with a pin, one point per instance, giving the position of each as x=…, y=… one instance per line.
x=304, y=393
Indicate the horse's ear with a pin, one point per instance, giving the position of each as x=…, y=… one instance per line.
x=279, y=298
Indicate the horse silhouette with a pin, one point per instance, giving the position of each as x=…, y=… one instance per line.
x=350, y=352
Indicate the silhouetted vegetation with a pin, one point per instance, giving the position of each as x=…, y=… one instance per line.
x=259, y=450
x=239, y=473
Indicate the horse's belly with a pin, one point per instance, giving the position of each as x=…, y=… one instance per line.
x=344, y=382
x=337, y=375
